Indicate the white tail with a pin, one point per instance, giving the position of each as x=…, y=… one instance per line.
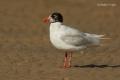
x=102, y=37
x=105, y=38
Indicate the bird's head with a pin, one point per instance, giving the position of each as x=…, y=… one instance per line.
x=54, y=17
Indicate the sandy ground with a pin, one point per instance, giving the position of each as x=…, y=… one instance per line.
x=27, y=54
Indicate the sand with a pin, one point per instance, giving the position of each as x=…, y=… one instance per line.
x=27, y=54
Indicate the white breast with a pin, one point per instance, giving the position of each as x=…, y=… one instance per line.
x=55, y=36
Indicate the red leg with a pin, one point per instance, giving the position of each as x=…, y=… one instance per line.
x=69, y=59
x=65, y=60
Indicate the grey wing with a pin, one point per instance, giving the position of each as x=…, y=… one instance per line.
x=76, y=40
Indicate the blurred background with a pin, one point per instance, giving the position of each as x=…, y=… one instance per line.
x=27, y=54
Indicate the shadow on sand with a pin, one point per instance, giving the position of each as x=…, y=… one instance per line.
x=97, y=66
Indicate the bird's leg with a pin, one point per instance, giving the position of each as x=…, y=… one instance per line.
x=69, y=59
x=65, y=60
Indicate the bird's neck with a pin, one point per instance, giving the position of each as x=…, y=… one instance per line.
x=55, y=26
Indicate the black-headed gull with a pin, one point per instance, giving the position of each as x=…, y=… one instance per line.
x=67, y=38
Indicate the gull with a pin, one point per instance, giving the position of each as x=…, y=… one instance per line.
x=68, y=38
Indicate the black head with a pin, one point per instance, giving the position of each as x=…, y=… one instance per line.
x=57, y=17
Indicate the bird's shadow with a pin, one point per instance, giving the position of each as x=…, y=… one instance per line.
x=97, y=66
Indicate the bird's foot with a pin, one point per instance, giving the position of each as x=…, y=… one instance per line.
x=67, y=66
